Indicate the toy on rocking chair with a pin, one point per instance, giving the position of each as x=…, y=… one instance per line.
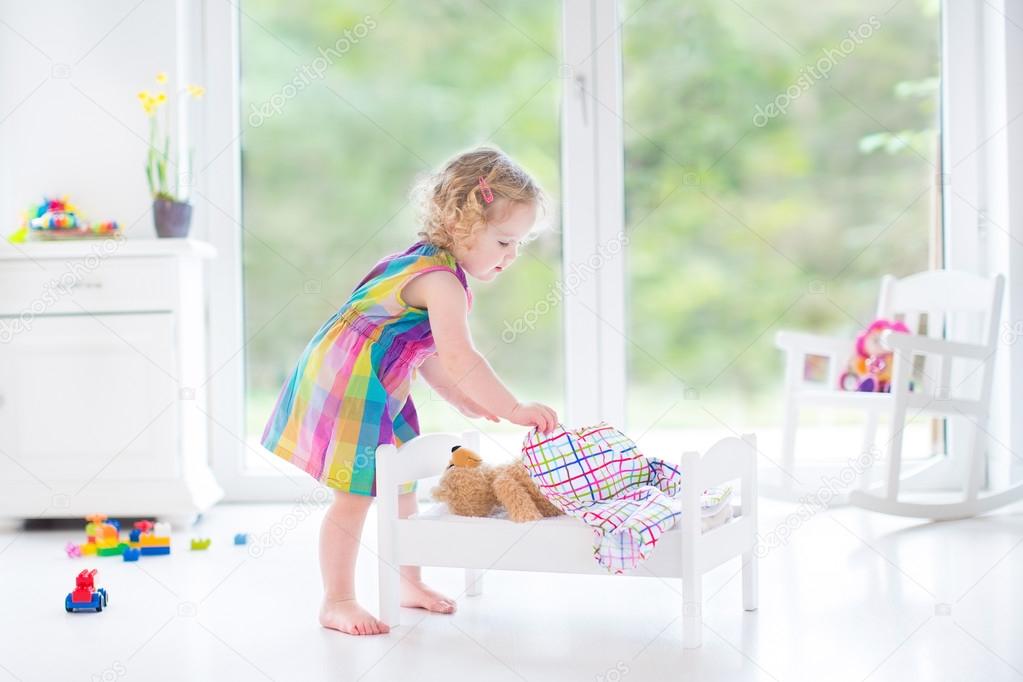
x=870, y=370
x=472, y=488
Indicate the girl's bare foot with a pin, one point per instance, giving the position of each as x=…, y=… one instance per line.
x=347, y=616
x=416, y=595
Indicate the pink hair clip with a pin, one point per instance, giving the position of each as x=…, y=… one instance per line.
x=488, y=195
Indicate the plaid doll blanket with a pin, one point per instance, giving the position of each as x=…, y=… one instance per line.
x=597, y=474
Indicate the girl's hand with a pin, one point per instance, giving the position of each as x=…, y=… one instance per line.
x=472, y=409
x=544, y=418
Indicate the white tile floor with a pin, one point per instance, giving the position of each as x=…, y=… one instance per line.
x=848, y=596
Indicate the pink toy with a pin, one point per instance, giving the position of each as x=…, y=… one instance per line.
x=73, y=550
x=870, y=371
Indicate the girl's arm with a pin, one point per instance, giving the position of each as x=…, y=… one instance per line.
x=433, y=371
x=469, y=371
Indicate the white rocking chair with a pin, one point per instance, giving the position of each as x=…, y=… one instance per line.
x=960, y=314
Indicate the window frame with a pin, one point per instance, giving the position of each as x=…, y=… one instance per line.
x=592, y=144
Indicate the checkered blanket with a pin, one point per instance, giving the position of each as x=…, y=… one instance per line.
x=597, y=474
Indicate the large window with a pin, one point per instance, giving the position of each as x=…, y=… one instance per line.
x=779, y=160
x=343, y=104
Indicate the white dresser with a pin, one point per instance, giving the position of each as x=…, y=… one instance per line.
x=103, y=377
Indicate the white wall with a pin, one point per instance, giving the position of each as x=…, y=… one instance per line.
x=1002, y=226
x=70, y=122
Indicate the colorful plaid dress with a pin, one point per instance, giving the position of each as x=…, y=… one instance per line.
x=349, y=392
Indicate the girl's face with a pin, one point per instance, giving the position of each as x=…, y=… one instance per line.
x=497, y=246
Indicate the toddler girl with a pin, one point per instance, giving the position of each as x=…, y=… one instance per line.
x=349, y=392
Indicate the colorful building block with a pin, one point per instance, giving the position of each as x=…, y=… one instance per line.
x=241, y=539
x=200, y=543
x=132, y=554
x=153, y=541
x=73, y=550
x=154, y=550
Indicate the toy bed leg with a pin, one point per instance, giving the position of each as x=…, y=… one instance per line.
x=473, y=582
x=473, y=576
x=692, y=611
x=692, y=579
x=749, y=581
x=749, y=511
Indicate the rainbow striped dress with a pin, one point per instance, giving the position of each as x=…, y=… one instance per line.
x=349, y=391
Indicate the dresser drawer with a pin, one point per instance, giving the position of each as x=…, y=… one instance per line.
x=95, y=285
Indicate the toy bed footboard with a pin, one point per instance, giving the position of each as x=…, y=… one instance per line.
x=562, y=544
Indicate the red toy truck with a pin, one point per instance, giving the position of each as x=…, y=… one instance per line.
x=85, y=597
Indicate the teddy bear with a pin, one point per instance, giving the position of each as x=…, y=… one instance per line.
x=471, y=488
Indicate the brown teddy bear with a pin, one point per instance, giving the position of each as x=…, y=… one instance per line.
x=471, y=488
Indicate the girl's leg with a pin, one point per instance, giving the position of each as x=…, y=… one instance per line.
x=414, y=593
x=340, y=534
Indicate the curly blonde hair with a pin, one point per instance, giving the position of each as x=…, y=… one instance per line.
x=450, y=201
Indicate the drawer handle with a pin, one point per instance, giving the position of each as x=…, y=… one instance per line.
x=84, y=284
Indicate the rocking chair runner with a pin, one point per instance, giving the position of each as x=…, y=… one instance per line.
x=961, y=312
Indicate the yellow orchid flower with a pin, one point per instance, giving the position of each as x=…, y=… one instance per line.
x=143, y=95
x=161, y=97
x=196, y=91
x=161, y=77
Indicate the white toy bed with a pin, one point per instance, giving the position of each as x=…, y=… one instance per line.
x=562, y=544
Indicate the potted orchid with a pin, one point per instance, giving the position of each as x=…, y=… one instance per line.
x=172, y=212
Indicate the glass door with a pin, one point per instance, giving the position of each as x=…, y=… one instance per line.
x=778, y=162
x=343, y=105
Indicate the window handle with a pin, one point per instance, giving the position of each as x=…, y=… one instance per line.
x=580, y=91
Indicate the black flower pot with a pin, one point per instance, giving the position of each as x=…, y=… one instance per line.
x=172, y=218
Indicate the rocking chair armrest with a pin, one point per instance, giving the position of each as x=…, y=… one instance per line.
x=813, y=344
x=895, y=341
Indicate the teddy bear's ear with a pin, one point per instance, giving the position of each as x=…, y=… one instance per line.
x=464, y=457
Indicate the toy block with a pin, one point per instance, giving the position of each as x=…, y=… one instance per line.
x=131, y=554
x=241, y=539
x=73, y=550
x=113, y=550
x=200, y=543
x=154, y=550
x=153, y=541
x=162, y=529
x=143, y=526
x=89, y=549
